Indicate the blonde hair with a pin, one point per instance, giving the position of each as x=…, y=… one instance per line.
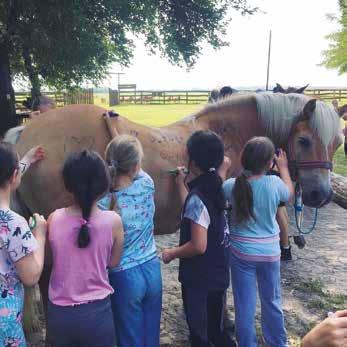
x=123, y=153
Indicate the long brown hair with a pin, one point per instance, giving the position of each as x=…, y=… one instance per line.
x=256, y=156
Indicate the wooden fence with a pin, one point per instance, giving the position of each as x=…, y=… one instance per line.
x=200, y=96
x=85, y=96
x=164, y=97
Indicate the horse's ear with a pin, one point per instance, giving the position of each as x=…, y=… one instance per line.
x=308, y=110
x=279, y=88
x=301, y=90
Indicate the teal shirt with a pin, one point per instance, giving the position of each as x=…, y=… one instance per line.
x=135, y=205
x=258, y=239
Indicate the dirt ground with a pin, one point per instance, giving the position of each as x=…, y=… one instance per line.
x=314, y=283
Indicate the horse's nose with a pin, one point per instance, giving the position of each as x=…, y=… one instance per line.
x=320, y=197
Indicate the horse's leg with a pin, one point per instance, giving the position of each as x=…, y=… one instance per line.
x=31, y=317
x=44, y=283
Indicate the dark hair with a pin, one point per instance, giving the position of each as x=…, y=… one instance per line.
x=206, y=149
x=8, y=162
x=86, y=177
x=225, y=91
x=256, y=155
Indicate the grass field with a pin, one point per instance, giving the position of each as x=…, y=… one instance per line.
x=156, y=115
x=160, y=115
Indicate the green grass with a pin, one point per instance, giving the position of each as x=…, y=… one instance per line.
x=152, y=115
x=340, y=162
x=156, y=115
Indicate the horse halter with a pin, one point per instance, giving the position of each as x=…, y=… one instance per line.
x=294, y=166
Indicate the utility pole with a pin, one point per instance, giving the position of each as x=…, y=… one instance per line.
x=268, y=62
x=118, y=76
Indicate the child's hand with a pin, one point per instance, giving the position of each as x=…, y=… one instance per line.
x=181, y=176
x=34, y=155
x=40, y=229
x=167, y=255
x=281, y=160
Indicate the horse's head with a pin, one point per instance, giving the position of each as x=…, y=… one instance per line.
x=314, y=138
x=280, y=89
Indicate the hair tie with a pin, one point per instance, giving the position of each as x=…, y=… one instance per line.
x=211, y=169
x=247, y=173
x=84, y=222
x=114, y=163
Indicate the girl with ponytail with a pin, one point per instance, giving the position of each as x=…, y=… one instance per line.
x=254, y=241
x=84, y=241
x=204, y=258
x=137, y=301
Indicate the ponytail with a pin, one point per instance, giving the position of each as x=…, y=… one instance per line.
x=85, y=202
x=243, y=198
x=213, y=190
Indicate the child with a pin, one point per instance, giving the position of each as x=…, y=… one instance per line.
x=204, y=259
x=21, y=251
x=137, y=282
x=255, y=251
x=84, y=241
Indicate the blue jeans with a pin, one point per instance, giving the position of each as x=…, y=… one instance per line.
x=244, y=275
x=136, y=304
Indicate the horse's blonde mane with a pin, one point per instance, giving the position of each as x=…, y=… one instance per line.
x=278, y=112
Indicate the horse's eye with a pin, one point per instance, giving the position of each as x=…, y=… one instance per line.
x=304, y=141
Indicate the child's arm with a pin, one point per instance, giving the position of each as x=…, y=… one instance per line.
x=32, y=156
x=118, y=240
x=182, y=189
x=196, y=246
x=29, y=267
x=282, y=165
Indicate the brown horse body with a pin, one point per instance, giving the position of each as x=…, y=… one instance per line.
x=76, y=127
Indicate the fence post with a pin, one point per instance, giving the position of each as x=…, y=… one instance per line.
x=164, y=98
x=186, y=97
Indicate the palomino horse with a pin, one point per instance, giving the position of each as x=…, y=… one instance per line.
x=307, y=129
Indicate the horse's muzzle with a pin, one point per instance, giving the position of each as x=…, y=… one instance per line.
x=317, y=197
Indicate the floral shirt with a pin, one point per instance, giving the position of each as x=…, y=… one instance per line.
x=135, y=205
x=16, y=241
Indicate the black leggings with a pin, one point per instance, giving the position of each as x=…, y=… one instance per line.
x=86, y=325
x=204, y=313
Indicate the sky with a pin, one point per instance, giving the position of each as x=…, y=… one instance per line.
x=299, y=29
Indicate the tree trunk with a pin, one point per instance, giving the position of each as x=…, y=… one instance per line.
x=340, y=189
x=32, y=74
x=8, y=117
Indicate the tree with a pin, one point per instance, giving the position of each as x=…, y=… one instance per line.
x=62, y=43
x=336, y=56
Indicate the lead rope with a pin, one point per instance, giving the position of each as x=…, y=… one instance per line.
x=299, y=239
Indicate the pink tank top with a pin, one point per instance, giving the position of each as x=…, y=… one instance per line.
x=79, y=275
